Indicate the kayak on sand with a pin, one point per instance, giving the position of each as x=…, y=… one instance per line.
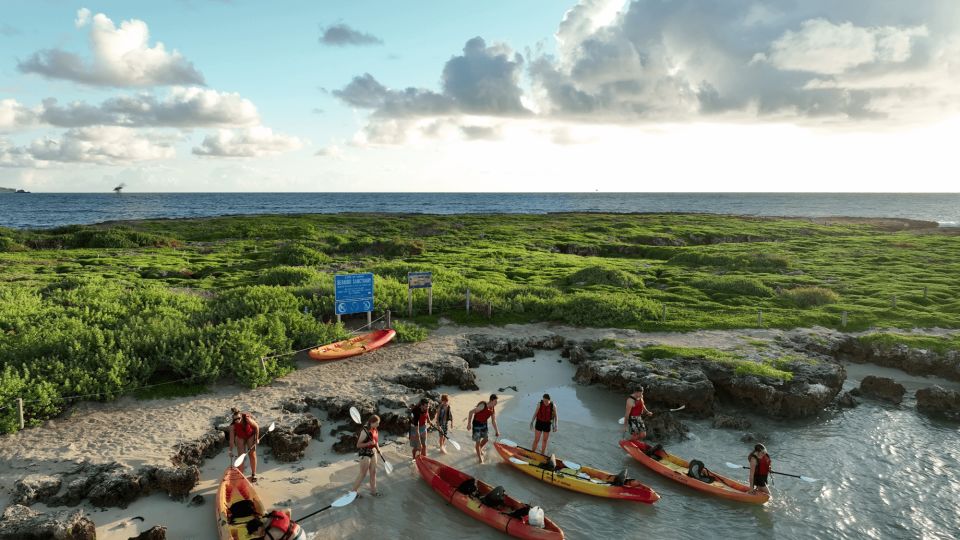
x=677, y=469
x=577, y=478
x=353, y=346
x=449, y=483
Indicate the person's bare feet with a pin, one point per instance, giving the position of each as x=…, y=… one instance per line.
x=443, y=450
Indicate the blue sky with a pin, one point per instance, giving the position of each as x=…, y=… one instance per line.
x=648, y=95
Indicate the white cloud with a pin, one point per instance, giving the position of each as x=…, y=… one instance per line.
x=826, y=48
x=121, y=56
x=248, y=142
x=14, y=115
x=105, y=145
x=182, y=107
x=332, y=151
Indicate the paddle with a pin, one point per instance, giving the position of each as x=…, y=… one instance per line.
x=567, y=464
x=804, y=478
x=680, y=408
x=455, y=444
x=355, y=416
x=239, y=461
x=342, y=501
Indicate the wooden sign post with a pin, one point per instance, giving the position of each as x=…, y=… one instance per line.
x=419, y=280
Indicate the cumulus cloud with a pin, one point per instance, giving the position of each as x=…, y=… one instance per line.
x=106, y=145
x=14, y=115
x=341, y=35
x=121, y=57
x=182, y=107
x=248, y=142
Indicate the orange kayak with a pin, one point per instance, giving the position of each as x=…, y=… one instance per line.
x=445, y=480
x=675, y=468
x=353, y=346
x=236, y=493
x=583, y=479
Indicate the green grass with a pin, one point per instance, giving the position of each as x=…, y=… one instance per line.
x=741, y=365
x=409, y=332
x=939, y=345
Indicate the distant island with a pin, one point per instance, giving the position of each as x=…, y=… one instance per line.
x=12, y=190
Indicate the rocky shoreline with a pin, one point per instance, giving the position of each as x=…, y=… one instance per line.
x=386, y=381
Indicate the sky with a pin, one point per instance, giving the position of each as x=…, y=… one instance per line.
x=538, y=95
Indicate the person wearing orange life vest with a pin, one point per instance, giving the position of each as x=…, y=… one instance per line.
x=368, y=445
x=544, y=420
x=760, y=464
x=633, y=415
x=276, y=525
x=477, y=421
x=244, y=434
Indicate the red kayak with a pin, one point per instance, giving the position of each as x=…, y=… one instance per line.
x=445, y=480
x=353, y=346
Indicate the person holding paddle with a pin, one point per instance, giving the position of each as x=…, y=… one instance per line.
x=760, y=465
x=477, y=420
x=368, y=442
x=244, y=435
x=419, y=419
x=444, y=420
x=635, y=411
x=544, y=419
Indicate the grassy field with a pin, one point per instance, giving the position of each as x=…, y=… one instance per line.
x=103, y=309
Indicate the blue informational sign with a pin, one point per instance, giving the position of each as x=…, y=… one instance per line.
x=353, y=293
x=420, y=280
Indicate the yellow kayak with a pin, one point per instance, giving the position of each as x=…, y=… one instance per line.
x=585, y=480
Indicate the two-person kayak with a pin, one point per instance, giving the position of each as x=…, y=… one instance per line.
x=353, y=346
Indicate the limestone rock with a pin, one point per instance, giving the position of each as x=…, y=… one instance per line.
x=882, y=388
x=36, y=488
x=286, y=445
x=116, y=488
x=175, y=481
x=449, y=370
x=153, y=533
x=847, y=401
x=21, y=523
x=936, y=400
x=723, y=421
x=346, y=444
x=196, y=451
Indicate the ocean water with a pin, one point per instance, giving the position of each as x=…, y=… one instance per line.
x=43, y=210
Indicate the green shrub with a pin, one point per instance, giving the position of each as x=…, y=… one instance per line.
x=300, y=255
x=247, y=301
x=806, y=297
x=9, y=245
x=743, y=286
x=733, y=261
x=597, y=275
x=288, y=275
x=409, y=332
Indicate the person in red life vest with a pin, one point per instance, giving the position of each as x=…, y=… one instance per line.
x=368, y=447
x=635, y=411
x=244, y=435
x=276, y=525
x=544, y=420
x=444, y=420
x=760, y=464
x=477, y=420
x=419, y=419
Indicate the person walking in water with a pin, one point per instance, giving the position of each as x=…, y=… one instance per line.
x=544, y=421
x=368, y=445
x=444, y=421
x=634, y=413
x=760, y=464
x=477, y=421
x=419, y=418
x=244, y=435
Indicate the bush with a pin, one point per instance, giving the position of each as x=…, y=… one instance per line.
x=806, y=297
x=743, y=286
x=409, y=332
x=300, y=255
x=597, y=275
x=735, y=261
x=9, y=245
x=247, y=301
x=288, y=275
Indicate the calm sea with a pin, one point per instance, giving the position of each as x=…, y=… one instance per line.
x=39, y=210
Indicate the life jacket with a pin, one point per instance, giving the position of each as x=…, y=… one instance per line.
x=482, y=416
x=419, y=416
x=763, y=463
x=443, y=416
x=545, y=414
x=281, y=527
x=244, y=430
x=638, y=406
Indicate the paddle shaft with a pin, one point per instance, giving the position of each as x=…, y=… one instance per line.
x=777, y=472
x=327, y=507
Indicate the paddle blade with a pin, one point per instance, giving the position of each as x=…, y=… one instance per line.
x=240, y=459
x=507, y=442
x=344, y=499
x=387, y=467
x=620, y=421
x=454, y=443
x=808, y=479
x=273, y=426
x=680, y=408
x=355, y=414
x=572, y=465
x=516, y=461
x=735, y=466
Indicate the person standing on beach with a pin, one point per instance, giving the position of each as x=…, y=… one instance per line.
x=544, y=420
x=244, y=436
x=444, y=421
x=760, y=465
x=635, y=411
x=477, y=421
x=368, y=444
x=419, y=418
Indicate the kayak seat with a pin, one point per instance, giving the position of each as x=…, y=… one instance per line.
x=620, y=479
x=698, y=471
x=495, y=498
